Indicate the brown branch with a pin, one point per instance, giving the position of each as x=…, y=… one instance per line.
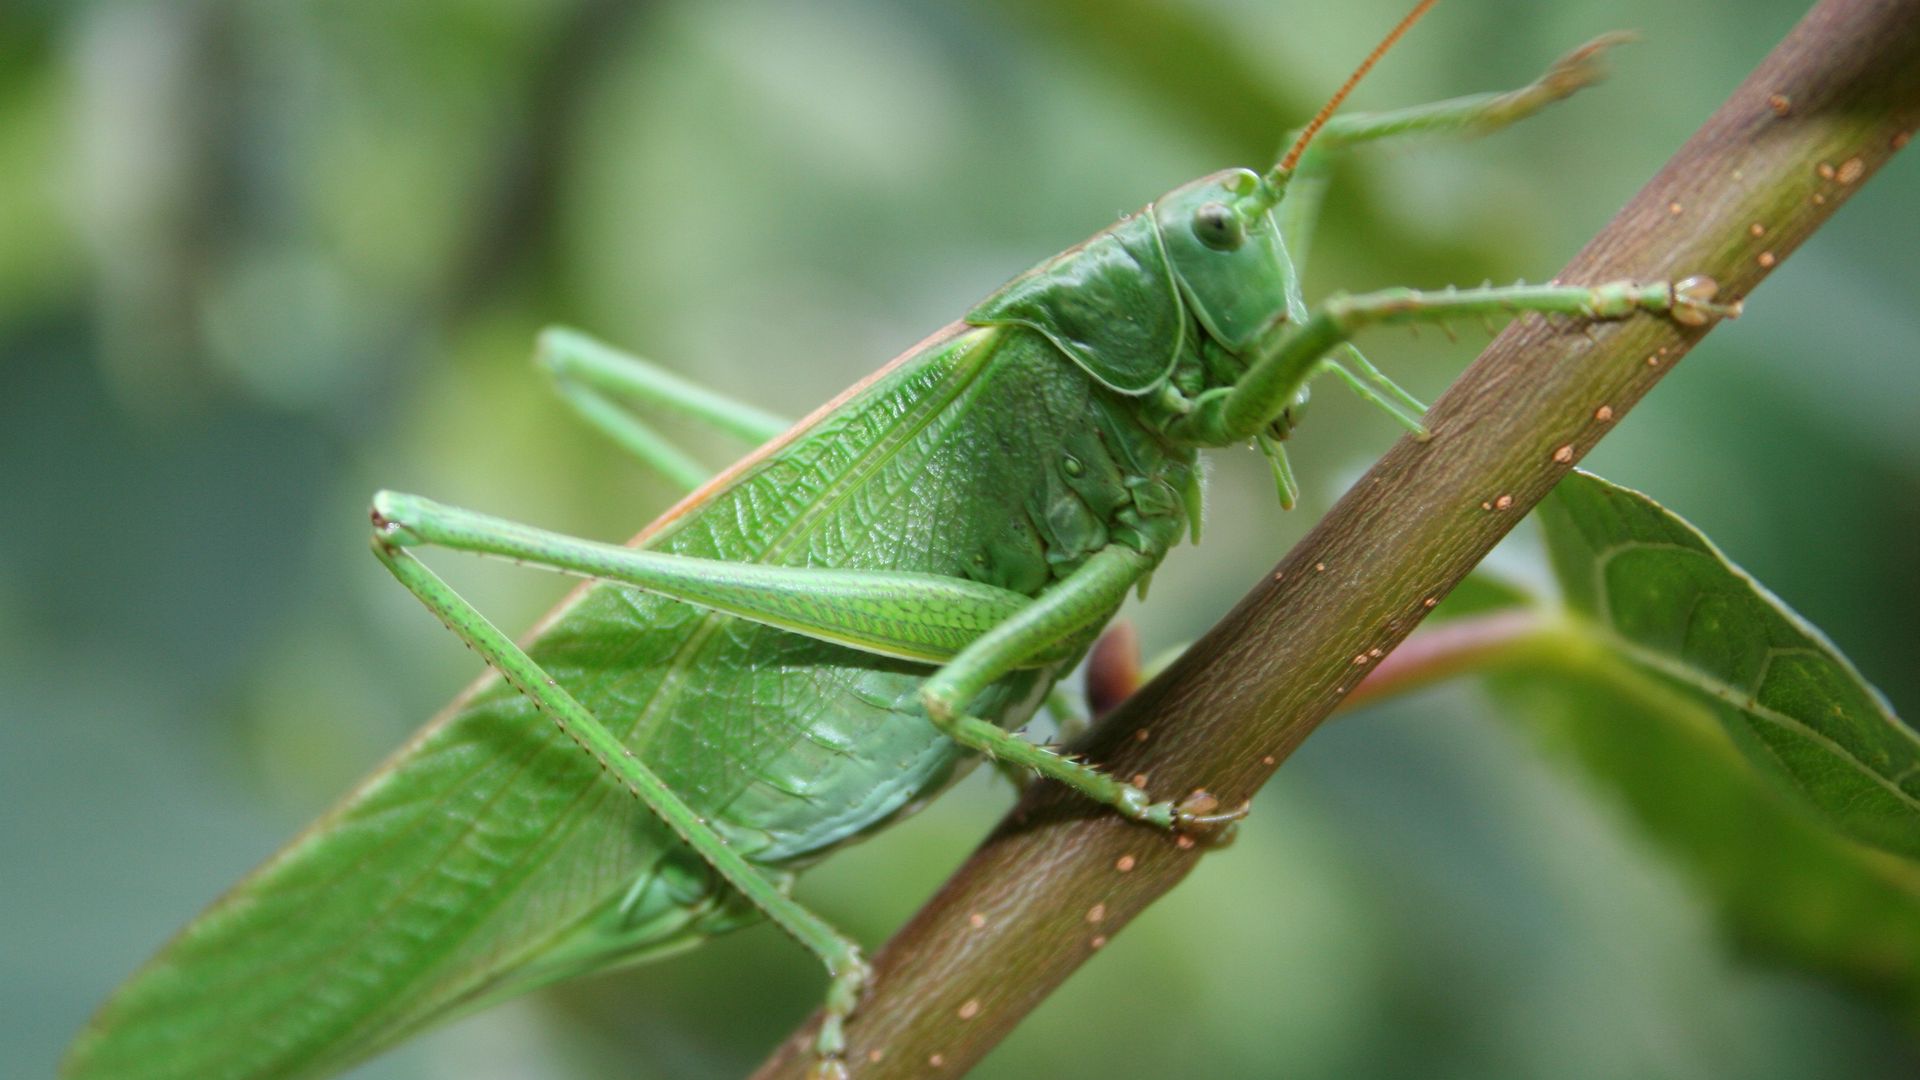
x=1059, y=877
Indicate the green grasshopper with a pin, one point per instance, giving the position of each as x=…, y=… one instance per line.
x=808, y=645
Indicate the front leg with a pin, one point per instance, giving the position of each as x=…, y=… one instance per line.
x=1282, y=365
x=1473, y=115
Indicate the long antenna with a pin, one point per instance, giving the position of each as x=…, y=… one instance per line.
x=1306, y=135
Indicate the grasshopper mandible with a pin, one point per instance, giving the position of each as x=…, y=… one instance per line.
x=808, y=644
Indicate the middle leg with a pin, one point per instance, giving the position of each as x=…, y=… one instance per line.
x=595, y=379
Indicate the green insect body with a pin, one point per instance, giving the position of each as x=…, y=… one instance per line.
x=801, y=651
x=467, y=828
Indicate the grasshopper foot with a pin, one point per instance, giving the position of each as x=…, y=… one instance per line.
x=843, y=995
x=829, y=1069
x=1198, y=817
x=1693, y=302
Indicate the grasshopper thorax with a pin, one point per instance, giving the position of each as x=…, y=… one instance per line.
x=1166, y=303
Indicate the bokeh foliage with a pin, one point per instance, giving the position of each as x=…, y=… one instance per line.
x=259, y=259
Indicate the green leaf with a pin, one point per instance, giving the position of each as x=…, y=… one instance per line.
x=1663, y=600
x=1666, y=677
x=1786, y=886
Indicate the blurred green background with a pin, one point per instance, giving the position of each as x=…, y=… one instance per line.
x=258, y=259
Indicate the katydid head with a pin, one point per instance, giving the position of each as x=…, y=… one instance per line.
x=1235, y=275
x=1226, y=253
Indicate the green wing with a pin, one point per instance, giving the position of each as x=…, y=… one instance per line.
x=489, y=855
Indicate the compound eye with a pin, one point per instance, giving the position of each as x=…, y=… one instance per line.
x=1218, y=227
x=1290, y=416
